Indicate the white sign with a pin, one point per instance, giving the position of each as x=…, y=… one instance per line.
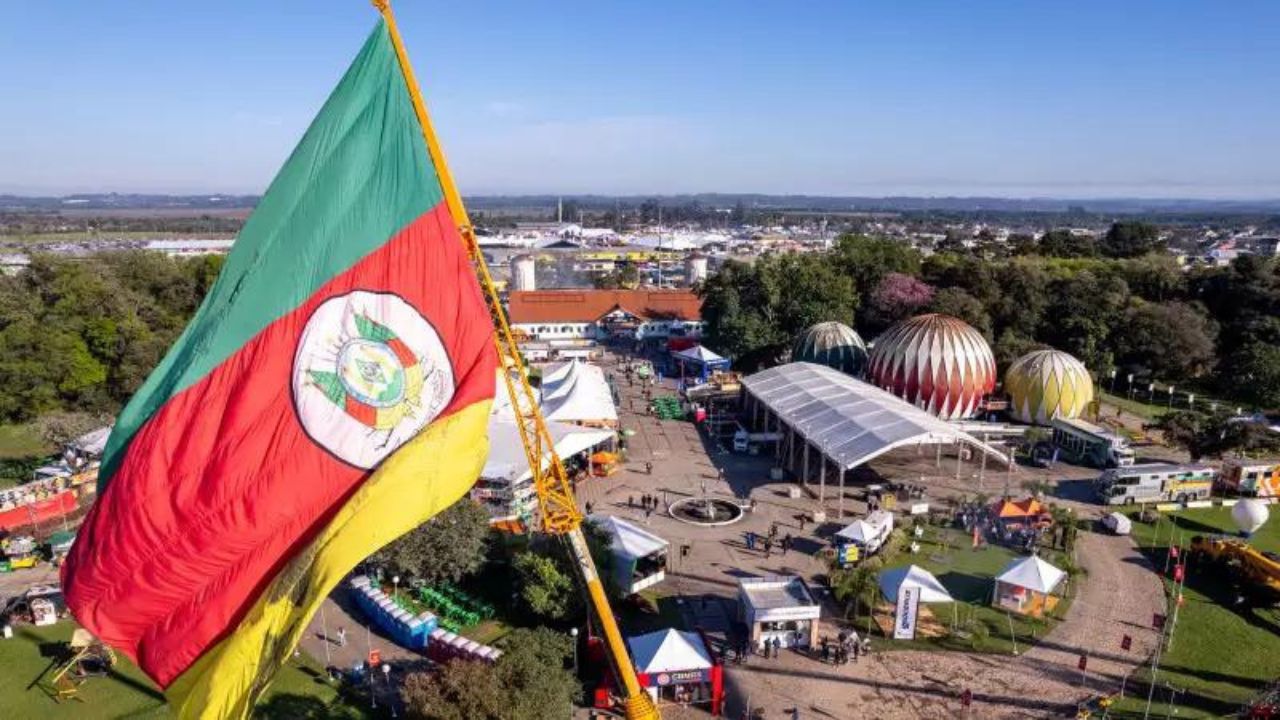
x=904, y=624
x=919, y=508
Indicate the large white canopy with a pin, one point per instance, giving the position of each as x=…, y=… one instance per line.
x=1033, y=574
x=93, y=442
x=577, y=392
x=848, y=420
x=931, y=591
x=506, y=450
x=629, y=541
x=668, y=651
x=699, y=354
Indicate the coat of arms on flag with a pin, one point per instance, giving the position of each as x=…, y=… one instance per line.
x=369, y=373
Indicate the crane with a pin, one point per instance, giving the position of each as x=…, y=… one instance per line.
x=557, y=506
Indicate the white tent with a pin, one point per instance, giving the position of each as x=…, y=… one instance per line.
x=668, y=651
x=1033, y=574
x=639, y=556
x=869, y=533
x=931, y=591
x=577, y=392
x=1118, y=523
x=629, y=541
x=93, y=442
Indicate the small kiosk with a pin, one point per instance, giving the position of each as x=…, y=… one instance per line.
x=1026, y=586
x=781, y=608
x=699, y=362
x=639, y=556
x=1025, y=514
x=678, y=667
x=863, y=537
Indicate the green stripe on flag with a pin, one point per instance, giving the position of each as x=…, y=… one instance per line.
x=359, y=175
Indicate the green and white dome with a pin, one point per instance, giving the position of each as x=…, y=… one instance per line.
x=833, y=344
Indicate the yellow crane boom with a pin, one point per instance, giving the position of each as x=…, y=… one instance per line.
x=559, y=510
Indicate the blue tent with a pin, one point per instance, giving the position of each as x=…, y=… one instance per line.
x=700, y=362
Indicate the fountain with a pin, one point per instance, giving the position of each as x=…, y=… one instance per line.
x=705, y=510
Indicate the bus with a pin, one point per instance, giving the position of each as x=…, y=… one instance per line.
x=1083, y=443
x=1251, y=479
x=1155, y=482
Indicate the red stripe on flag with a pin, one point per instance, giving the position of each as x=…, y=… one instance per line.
x=402, y=351
x=366, y=414
x=221, y=487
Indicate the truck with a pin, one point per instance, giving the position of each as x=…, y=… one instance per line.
x=1250, y=479
x=743, y=441
x=1155, y=482
x=1084, y=443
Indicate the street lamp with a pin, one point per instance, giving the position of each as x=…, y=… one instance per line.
x=386, y=677
x=573, y=633
x=395, y=591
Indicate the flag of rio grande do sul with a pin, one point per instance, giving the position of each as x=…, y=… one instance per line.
x=330, y=394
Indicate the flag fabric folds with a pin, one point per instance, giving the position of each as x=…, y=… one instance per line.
x=330, y=394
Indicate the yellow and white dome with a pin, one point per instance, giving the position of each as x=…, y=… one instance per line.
x=1047, y=384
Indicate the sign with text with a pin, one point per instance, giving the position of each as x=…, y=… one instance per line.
x=904, y=625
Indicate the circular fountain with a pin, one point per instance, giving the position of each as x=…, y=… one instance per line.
x=705, y=510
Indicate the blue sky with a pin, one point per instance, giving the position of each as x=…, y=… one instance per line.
x=1019, y=98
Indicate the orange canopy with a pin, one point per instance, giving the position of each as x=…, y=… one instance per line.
x=1029, y=507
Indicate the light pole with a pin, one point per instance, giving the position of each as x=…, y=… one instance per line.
x=386, y=678
x=1170, y=396
x=573, y=633
x=395, y=587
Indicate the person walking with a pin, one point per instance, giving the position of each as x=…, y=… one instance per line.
x=342, y=637
x=631, y=501
x=648, y=467
x=773, y=530
x=777, y=647
x=768, y=548
x=751, y=540
x=588, y=507
x=856, y=650
x=803, y=519
x=786, y=543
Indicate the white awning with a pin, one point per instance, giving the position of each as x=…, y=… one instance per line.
x=1032, y=573
x=630, y=542
x=931, y=591
x=506, y=450
x=699, y=354
x=93, y=442
x=871, y=529
x=849, y=421
x=668, y=651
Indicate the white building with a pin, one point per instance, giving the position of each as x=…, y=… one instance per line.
x=781, y=608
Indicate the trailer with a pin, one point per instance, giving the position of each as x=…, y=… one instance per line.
x=1155, y=482
x=1084, y=443
x=1250, y=479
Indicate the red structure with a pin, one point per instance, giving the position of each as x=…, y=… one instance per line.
x=39, y=511
x=935, y=362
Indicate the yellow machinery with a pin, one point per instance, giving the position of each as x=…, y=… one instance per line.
x=560, y=514
x=1262, y=570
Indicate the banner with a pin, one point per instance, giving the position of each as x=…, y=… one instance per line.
x=904, y=626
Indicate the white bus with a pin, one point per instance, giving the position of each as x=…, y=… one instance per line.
x=1084, y=443
x=1155, y=482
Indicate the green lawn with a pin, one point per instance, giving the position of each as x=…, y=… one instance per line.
x=1219, y=656
x=1134, y=407
x=21, y=441
x=968, y=574
x=128, y=693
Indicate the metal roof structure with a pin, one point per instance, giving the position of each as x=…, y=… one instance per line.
x=849, y=421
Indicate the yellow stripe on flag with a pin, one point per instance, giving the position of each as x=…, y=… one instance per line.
x=427, y=475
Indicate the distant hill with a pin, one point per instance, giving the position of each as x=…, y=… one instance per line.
x=1108, y=206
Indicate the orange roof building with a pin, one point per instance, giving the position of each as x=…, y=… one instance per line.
x=598, y=314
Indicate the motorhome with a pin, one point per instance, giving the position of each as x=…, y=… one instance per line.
x=1084, y=443
x=1155, y=482
x=1250, y=479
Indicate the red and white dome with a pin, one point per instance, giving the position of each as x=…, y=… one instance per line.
x=936, y=362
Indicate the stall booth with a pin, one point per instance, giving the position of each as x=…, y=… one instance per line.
x=863, y=537
x=678, y=667
x=781, y=608
x=639, y=556
x=1027, y=585
x=699, y=362
x=1026, y=514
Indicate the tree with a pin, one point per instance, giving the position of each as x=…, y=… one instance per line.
x=958, y=303
x=855, y=586
x=897, y=297
x=60, y=427
x=446, y=548
x=1064, y=244
x=1130, y=239
x=1171, y=341
x=867, y=260
x=1253, y=372
x=1215, y=434
x=545, y=588
x=528, y=682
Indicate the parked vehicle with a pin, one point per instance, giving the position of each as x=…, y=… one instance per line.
x=1084, y=443
x=1155, y=482
x=1250, y=479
